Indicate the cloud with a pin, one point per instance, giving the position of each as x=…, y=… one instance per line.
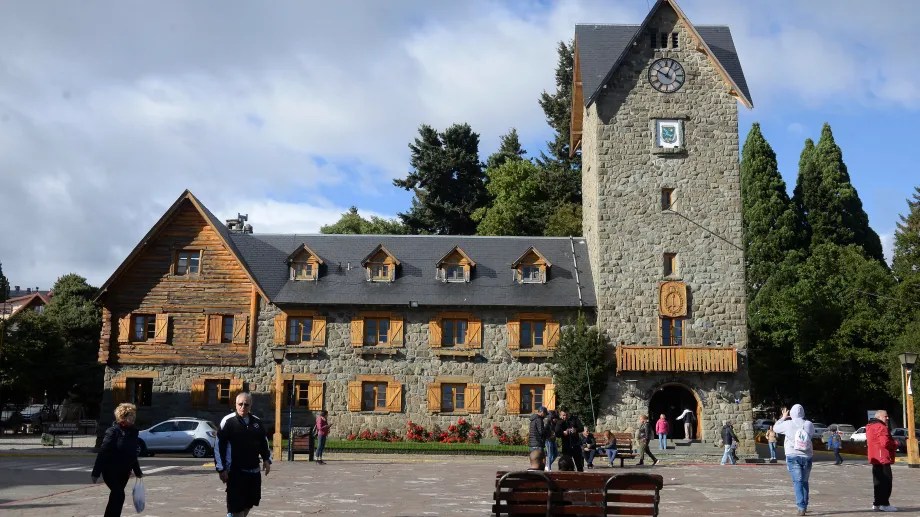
x=888, y=245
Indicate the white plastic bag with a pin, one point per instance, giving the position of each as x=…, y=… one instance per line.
x=140, y=498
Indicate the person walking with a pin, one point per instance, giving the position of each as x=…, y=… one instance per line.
x=771, y=442
x=118, y=457
x=881, y=448
x=798, y=449
x=549, y=426
x=241, y=441
x=834, y=442
x=322, y=431
x=728, y=443
x=536, y=437
x=643, y=436
x=662, y=428
x=568, y=429
x=689, y=419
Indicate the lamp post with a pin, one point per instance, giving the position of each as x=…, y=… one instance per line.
x=908, y=359
x=278, y=354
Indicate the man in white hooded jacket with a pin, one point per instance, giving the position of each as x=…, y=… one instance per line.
x=799, y=452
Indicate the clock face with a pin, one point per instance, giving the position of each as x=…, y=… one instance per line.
x=666, y=75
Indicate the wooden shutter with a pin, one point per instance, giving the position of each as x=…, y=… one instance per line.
x=357, y=331
x=215, y=327
x=197, y=394
x=319, y=331
x=315, y=396
x=162, y=328
x=394, y=397
x=514, y=334
x=392, y=271
x=474, y=398
x=434, y=397
x=239, y=328
x=549, y=396
x=474, y=333
x=354, y=396
x=119, y=390
x=280, y=329
x=513, y=398
x=367, y=273
x=124, y=329
x=552, y=334
x=236, y=387
x=434, y=333
x=395, y=337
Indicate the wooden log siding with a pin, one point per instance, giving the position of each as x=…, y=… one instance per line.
x=149, y=286
x=676, y=359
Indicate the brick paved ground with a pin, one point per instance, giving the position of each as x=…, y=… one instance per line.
x=398, y=485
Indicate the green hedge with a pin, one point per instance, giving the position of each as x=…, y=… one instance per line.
x=372, y=447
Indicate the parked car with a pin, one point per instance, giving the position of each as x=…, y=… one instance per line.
x=181, y=434
x=900, y=436
x=859, y=435
x=820, y=430
x=846, y=430
x=763, y=424
x=10, y=419
x=34, y=415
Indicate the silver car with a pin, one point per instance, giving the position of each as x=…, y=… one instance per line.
x=179, y=435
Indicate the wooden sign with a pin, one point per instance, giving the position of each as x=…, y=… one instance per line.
x=672, y=299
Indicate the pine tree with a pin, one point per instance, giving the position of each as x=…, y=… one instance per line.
x=510, y=149
x=830, y=203
x=447, y=180
x=906, y=261
x=559, y=169
x=906, y=269
x=807, y=185
x=769, y=219
x=580, y=368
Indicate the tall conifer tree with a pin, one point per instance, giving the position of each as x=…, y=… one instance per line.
x=447, y=180
x=906, y=261
x=509, y=149
x=769, y=219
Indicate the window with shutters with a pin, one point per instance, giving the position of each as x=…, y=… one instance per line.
x=139, y=391
x=301, y=393
x=375, y=393
x=455, y=266
x=376, y=331
x=453, y=332
x=532, y=335
x=304, y=263
x=217, y=392
x=380, y=265
x=145, y=326
x=301, y=329
x=531, y=267
x=187, y=263
x=307, y=392
x=452, y=397
x=529, y=393
x=226, y=335
x=373, y=396
x=449, y=394
x=226, y=328
x=672, y=331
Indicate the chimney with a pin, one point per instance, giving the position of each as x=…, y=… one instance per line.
x=17, y=289
x=28, y=290
x=36, y=289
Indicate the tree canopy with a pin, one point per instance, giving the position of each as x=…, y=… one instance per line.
x=351, y=222
x=518, y=198
x=580, y=368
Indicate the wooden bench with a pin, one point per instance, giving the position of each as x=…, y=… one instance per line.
x=301, y=441
x=532, y=493
x=624, y=446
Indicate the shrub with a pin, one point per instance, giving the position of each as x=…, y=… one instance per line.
x=417, y=433
x=514, y=438
x=461, y=432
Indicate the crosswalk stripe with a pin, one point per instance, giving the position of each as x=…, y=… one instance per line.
x=43, y=465
x=58, y=467
x=71, y=469
x=160, y=469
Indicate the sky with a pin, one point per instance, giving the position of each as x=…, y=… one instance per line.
x=292, y=112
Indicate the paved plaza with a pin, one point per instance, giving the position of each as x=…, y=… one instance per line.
x=55, y=483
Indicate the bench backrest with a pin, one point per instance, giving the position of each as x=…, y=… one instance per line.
x=63, y=427
x=301, y=438
x=624, y=442
x=576, y=493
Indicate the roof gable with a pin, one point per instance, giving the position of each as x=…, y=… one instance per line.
x=456, y=254
x=531, y=256
x=160, y=225
x=301, y=250
x=380, y=254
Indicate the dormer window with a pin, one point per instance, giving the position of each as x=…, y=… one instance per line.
x=304, y=263
x=188, y=262
x=455, y=266
x=531, y=267
x=380, y=265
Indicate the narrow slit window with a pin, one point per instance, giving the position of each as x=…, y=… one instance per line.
x=667, y=199
x=670, y=264
x=664, y=40
x=674, y=40
x=672, y=331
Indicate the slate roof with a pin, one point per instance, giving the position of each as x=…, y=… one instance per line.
x=491, y=284
x=601, y=48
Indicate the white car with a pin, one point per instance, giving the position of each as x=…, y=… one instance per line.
x=820, y=430
x=859, y=435
x=179, y=435
x=845, y=430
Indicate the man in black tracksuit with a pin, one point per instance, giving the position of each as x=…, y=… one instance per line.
x=240, y=442
x=568, y=429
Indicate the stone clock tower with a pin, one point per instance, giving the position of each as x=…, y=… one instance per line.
x=655, y=115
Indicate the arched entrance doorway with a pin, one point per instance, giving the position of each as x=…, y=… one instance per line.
x=672, y=400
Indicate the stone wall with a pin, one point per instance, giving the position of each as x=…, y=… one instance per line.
x=628, y=232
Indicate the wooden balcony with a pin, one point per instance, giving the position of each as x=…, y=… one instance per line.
x=703, y=359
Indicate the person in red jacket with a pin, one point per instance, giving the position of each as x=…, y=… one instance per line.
x=881, y=447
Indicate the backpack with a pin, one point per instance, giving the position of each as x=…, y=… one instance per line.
x=801, y=440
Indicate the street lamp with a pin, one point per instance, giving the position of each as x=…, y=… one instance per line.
x=908, y=359
x=278, y=354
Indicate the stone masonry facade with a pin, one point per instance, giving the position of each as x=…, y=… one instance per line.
x=628, y=232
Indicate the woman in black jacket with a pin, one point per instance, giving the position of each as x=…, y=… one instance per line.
x=118, y=457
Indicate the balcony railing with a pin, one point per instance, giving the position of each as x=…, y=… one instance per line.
x=676, y=359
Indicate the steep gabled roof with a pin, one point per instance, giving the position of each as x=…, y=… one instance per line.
x=597, y=44
x=530, y=251
x=209, y=218
x=374, y=253
x=300, y=249
x=459, y=251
